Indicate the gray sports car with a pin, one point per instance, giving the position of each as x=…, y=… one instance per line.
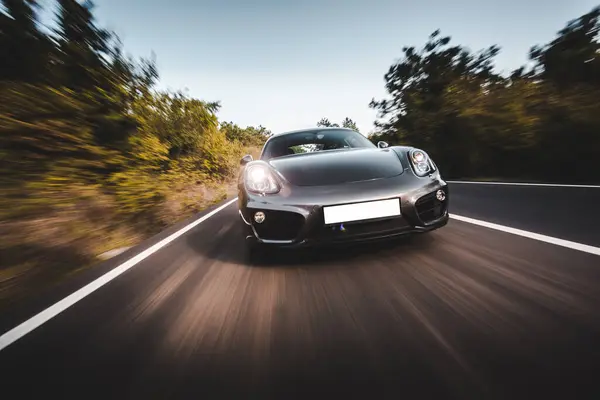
x=332, y=185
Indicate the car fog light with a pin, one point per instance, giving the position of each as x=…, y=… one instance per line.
x=259, y=217
x=440, y=195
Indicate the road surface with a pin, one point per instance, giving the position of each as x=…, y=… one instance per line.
x=464, y=312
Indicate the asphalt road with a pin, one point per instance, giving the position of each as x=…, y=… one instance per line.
x=569, y=213
x=463, y=312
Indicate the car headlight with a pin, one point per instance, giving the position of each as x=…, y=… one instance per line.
x=259, y=179
x=421, y=162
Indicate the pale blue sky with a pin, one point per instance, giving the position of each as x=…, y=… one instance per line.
x=285, y=64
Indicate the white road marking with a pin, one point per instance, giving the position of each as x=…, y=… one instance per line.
x=527, y=184
x=531, y=235
x=39, y=319
x=34, y=322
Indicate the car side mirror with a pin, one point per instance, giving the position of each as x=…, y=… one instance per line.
x=246, y=159
x=382, y=145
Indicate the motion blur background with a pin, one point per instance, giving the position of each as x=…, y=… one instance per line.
x=98, y=152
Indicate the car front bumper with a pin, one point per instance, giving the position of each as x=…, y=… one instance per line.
x=297, y=220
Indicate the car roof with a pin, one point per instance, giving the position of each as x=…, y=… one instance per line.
x=307, y=130
x=316, y=129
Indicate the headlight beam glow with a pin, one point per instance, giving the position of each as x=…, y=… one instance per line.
x=260, y=180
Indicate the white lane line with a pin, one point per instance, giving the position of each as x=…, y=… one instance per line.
x=526, y=184
x=531, y=235
x=34, y=322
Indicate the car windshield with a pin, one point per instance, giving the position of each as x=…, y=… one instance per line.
x=314, y=141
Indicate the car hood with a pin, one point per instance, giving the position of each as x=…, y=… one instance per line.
x=338, y=166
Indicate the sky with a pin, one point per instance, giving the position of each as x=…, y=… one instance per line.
x=286, y=64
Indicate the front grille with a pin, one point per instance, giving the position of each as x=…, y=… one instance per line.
x=278, y=225
x=429, y=208
x=361, y=229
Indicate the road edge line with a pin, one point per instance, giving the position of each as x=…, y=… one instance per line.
x=526, y=184
x=16, y=333
x=531, y=235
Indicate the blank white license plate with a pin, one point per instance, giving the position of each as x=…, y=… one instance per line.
x=362, y=211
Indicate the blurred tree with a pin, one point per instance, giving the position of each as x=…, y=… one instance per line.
x=573, y=58
x=86, y=140
x=417, y=110
x=324, y=122
x=23, y=48
x=568, y=69
x=476, y=123
x=346, y=123
x=250, y=135
x=179, y=122
x=82, y=46
x=350, y=124
x=91, y=61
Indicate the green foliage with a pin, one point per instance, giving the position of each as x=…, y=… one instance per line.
x=86, y=140
x=24, y=50
x=136, y=190
x=46, y=137
x=346, y=123
x=179, y=122
x=90, y=153
x=81, y=47
x=94, y=119
x=475, y=122
x=325, y=122
x=572, y=58
x=249, y=136
x=350, y=124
